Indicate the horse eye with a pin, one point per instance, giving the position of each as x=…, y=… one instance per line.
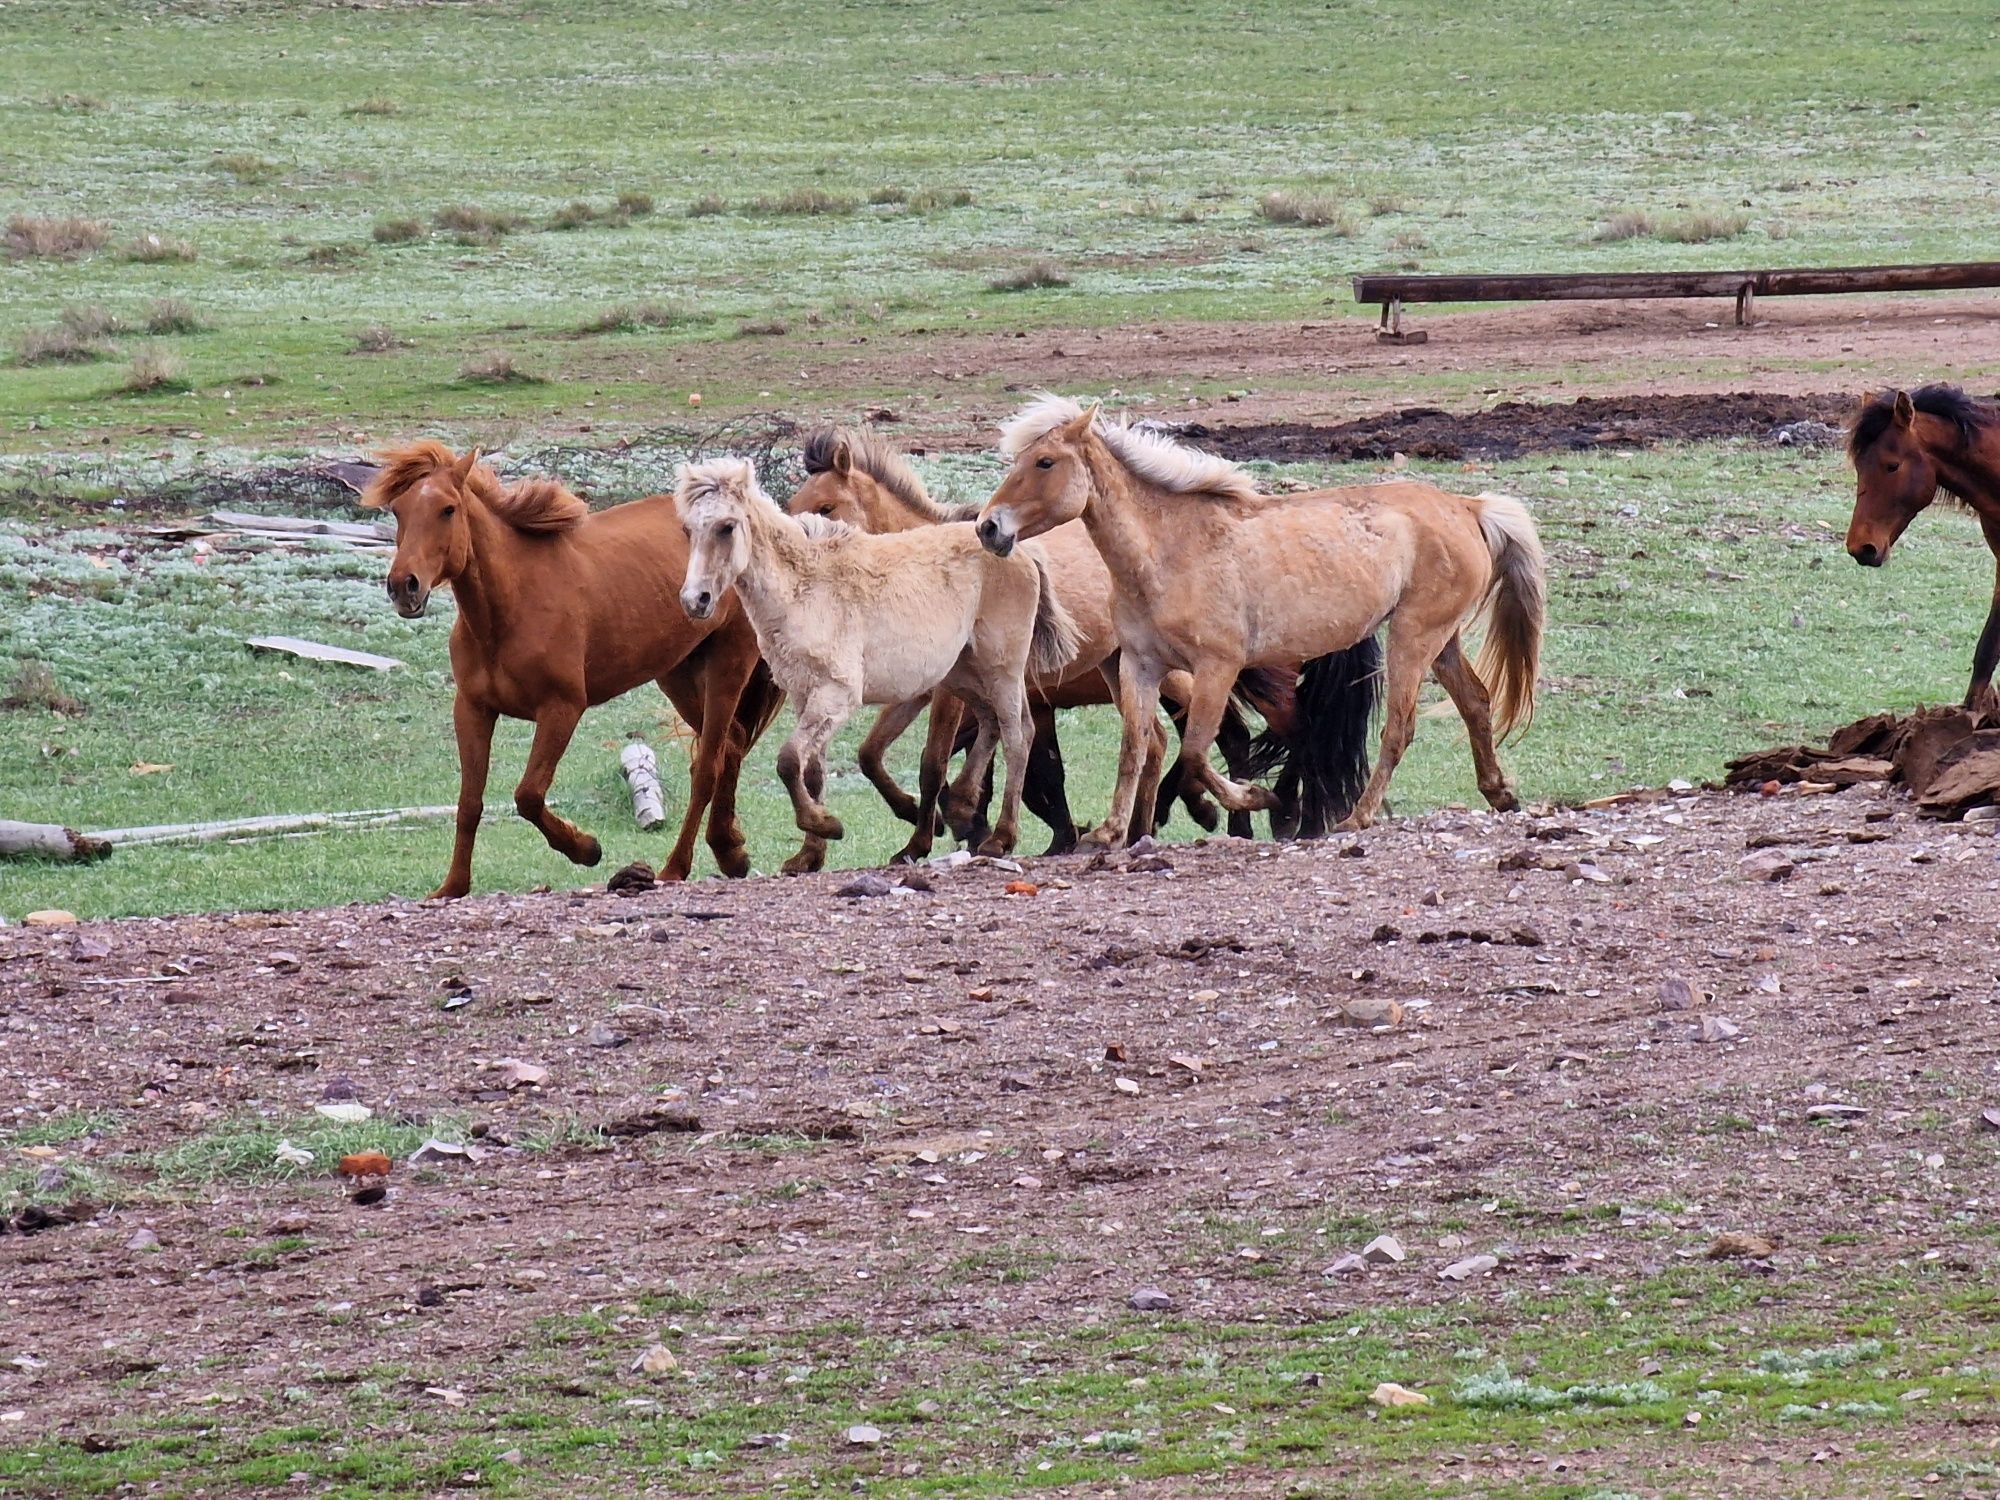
x=1892, y=465
x=450, y=511
x=826, y=510
x=727, y=528
x=1045, y=463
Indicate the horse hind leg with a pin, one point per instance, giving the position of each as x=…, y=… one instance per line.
x=890, y=726
x=553, y=728
x=1410, y=653
x=802, y=767
x=1045, y=792
x=938, y=740
x=1233, y=740
x=1475, y=706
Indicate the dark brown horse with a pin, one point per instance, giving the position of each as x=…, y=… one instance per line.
x=560, y=610
x=1907, y=447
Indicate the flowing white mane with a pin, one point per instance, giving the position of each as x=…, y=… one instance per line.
x=1150, y=455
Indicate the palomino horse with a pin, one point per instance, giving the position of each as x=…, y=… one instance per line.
x=560, y=610
x=846, y=618
x=855, y=477
x=1907, y=447
x=1214, y=577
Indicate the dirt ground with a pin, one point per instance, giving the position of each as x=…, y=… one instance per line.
x=1603, y=1009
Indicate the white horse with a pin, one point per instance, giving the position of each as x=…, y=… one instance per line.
x=846, y=618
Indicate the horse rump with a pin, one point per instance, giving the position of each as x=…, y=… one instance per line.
x=1321, y=755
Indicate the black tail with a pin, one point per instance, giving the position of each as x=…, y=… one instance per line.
x=1322, y=757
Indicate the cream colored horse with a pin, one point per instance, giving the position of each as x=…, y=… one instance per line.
x=1213, y=577
x=846, y=618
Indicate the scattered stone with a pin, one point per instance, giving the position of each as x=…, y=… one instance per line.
x=1990, y=1118
x=345, y=1113
x=861, y=1435
x=1384, y=1250
x=1836, y=1112
x=1676, y=994
x=1152, y=1299
x=285, y=963
x=631, y=880
x=88, y=948
x=1526, y=936
x=516, y=1074
x=145, y=1239
x=1717, y=1029
x=1738, y=1246
x=435, y=1150
x=1768, y=866
x=655, y=1359
x=1388, y=1393
x=1349, y=1264
x=335, y=1090
x=1471, y=1266
x=866, y=884
x=49, y=918
x=1149, y=864
x=603, y=1036
x=369, y=1197
x=1372, y=1012
x=1127, y=1085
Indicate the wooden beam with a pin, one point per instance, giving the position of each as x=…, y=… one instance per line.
x=315, y=651
x=48, y=841
x=1804, y=281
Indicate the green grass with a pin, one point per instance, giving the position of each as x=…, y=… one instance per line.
x=1648, y=679
x=1133, y=149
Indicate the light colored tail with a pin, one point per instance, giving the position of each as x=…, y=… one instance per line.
x=1057, y=638
x=1510, y=657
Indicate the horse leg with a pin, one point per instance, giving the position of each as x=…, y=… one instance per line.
x=1233, y=740
x=714, y=722
x=1152, y=772
x=1987, y=652
x=1475, y=706
x=1213, y=683
x=939, y=738
x=473, y=724
x=553, y=728
x=1007, y=716
x=1408, y=657
x=1176, y=690
x=1138, y=684
x=890, y=725
x=801, y=763
x=1046, y=791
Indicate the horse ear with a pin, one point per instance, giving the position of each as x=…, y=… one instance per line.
x=1080, y=428
x=1906, y=413
x=843, y=458
x=468, y=461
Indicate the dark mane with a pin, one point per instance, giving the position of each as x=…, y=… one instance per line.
x=532, y=505
x=1949, y=402
x=882, y=463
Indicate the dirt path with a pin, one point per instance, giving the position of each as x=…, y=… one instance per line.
x=965, y=1121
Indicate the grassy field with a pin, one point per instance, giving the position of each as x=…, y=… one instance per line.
x=1701, y=606
x=298, y=173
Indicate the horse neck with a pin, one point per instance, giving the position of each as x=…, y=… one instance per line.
x=889, y=511
x=1120, y=519
x=485, y=589
x=780, y=564
x=1971, y=470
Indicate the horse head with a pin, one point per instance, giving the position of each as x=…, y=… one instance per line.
x=837, y=487
x=1895, y=476
x=1050, y=480
x=715, y=500
x=427, y=488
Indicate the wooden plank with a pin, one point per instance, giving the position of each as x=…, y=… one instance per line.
x=352, y=531
x=268, y=826
x=48, y=841
x=1803, y=281
x=315, y=651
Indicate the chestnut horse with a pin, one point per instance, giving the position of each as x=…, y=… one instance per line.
x=1214, y=577
x=846, y=618
x=560, y=610
x=1907, y=448
x=854, y=476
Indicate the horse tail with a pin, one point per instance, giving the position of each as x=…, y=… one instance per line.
x=1320, y=749
x=1516, y=608
x=757, y=706
x=1057, y=639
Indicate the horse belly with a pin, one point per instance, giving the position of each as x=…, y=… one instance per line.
x=897, y=671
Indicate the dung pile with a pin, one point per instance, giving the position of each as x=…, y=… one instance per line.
x=1948, y=759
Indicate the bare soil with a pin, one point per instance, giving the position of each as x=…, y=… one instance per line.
x=827, y=1105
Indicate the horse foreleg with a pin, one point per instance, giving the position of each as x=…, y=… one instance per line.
x=1475, y=707
x=1138, y=684
x=553, y=728
x=473, y=725
x=1045, y=793
x=801, y=763
x=1006, y=717
x=890, y=726
x=1408, y=658
x=1233, y=740
x=1176, y=690
x=721, y=685
x=939, y=738
x=1213, y=683
x=1987, y=652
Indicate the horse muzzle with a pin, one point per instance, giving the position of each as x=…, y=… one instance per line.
x=697, y=604
x=410, y=594
x=1869, y=555
x=995, y=537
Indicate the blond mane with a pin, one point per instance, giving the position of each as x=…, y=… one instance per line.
x=1171, y=465
x=874, y=456
x=535, y=506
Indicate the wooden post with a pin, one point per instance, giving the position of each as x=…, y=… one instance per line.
x=48, y=841
x=642, y=774
x=1746, y=304
x=1391, y=329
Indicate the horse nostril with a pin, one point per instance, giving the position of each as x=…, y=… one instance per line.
x=1866, y=555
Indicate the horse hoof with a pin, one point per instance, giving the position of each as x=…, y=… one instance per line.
x=911, y=854
x=1203, y=812
x=1506, y=801
x=449, y=892
x=734, y=862
x=995, y=847
x=802, y=864
x=1100, y=839
x=588, y=851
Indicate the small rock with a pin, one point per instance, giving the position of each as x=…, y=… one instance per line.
x=656, y=1359
x=516, y=1074
x=861, y=1435
x=1676, y=994
x=1738, y=1246
x=49, y=918
x=1384, y=1250
x=1525, y=936
x=866, y=884
x=88, y=949
x=1471, y=1266
x=1990, y=1118
x=1149, y=864
x=511, y=1456
x=1152, y=1299
x=1836, y=1112
x=1373, y=1012
x=603, y=1036
x=335, y=1090
x=1127, y=1085
x=1766, y=865
x=51, y=1179
x=345, y=1113
x=1349, y=1264
x=1385, y=934
x=1717, y=1029
x=1388, y=1393
x=145, y=1239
